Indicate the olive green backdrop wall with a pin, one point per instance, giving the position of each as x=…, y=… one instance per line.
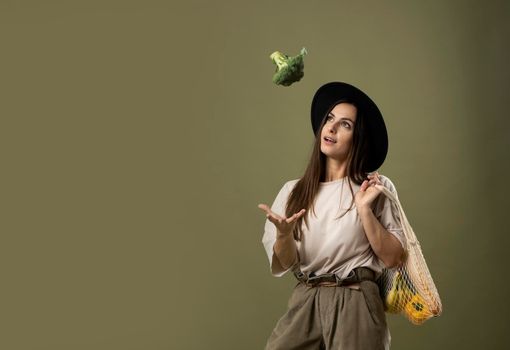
x=138, y=138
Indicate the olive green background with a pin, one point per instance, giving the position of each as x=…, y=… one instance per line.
x=138, y=138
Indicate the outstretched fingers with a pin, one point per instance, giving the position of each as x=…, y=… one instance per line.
x=273, y=217
x=264, y=207
x=296, y=216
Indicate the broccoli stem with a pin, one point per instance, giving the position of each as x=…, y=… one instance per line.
x=280, y=59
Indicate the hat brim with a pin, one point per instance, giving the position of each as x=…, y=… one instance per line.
x=328, y=95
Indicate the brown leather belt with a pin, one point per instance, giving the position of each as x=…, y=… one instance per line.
x=356, y=275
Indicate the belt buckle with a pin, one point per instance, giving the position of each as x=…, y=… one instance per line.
x=313, y=280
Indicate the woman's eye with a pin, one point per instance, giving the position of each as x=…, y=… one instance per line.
x=344, y=122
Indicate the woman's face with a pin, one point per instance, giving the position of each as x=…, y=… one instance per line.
x=339, y=126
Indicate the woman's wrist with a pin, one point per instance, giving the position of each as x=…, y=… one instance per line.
x=363, y=209
x=282, y=235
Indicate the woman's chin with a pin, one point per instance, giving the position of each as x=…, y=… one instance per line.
x=327, y=151
x=333, y=155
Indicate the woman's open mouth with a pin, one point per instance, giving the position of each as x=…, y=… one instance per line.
x=329, y=140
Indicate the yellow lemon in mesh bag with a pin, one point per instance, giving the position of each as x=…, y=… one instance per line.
x=417, y=310
x=395, y=299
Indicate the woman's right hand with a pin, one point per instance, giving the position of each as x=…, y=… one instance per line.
x=283, y=225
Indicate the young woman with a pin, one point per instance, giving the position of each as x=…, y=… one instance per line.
x=334, y=232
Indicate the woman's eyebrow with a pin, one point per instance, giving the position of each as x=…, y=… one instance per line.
x=342, y=118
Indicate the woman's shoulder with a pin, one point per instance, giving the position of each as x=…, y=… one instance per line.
x=288, y=185
x=291, y=183
x=387, y=182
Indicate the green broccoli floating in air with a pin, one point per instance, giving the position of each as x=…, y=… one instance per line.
x=289, y=69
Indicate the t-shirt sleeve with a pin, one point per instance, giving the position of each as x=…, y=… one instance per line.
x=269, y=237
x=387, y=213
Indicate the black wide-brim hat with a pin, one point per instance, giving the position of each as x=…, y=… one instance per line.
x=327, y=97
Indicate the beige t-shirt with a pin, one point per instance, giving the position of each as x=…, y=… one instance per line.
x=334, y=245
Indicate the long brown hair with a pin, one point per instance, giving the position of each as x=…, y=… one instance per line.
x=303, y=194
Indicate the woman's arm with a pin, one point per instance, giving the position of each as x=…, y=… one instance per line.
x=285, y=249
x=386, y=246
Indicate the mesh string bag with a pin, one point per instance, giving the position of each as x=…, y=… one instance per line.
x=408, y=289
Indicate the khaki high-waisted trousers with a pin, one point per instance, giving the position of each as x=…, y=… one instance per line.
x=332, y=318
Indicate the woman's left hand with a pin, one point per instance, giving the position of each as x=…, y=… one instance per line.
x=368, y=191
